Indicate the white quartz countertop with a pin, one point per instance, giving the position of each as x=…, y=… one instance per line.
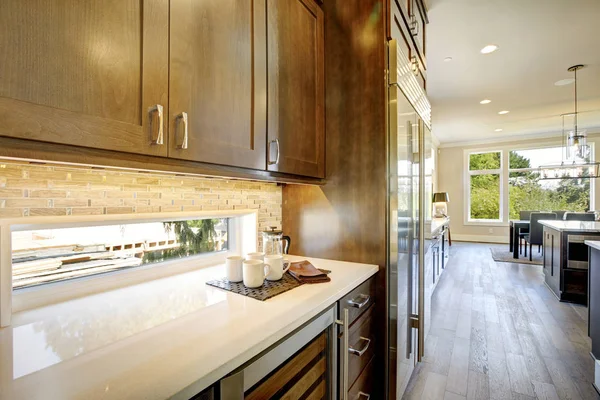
x=593, y=243
x=438, y=223
x=579, y=226
x=171, y=337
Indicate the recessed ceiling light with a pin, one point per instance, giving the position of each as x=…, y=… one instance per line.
x=498, y=130
x=490, y=48
x=485, y=101
x=564, y=82
x=447, y=59
x=503, y=112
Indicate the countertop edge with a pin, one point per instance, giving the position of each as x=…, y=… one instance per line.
x=554, y=225
x=595, y=244
x=229, y=366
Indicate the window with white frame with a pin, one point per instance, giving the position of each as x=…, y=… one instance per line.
x=526, y=191
x=47, y=255
x=484, y=186
x=45, y=260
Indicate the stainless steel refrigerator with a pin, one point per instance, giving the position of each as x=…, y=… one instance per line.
x=409, y=119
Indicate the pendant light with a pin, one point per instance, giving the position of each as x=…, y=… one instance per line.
x=575, y=162
x=577, y=147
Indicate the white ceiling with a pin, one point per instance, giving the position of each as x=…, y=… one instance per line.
x=538, y=40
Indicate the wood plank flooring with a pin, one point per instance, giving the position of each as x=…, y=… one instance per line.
x=498, y=333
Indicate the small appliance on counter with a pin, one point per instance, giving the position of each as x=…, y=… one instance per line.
x=273, y=242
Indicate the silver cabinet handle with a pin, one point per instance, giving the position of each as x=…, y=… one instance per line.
x=360, y=352
x=276, y=141
x=360, y=301
x=183, y=119
x=362, y=395
x=159, y=137
x=415, y=65
x=345, y=348
x=416, y=27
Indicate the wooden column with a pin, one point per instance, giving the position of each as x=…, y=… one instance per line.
x=346, y=218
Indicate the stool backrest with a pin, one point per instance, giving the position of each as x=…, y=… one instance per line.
x=536, y=230
x=525, y=215
x=560, y=214
x=572, y=216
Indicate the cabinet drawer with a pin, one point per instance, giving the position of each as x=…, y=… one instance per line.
x=361, y=339
x=362, y=389
x=358, y=300
x=303, y=375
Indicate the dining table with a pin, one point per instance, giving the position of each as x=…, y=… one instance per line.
x=514, y=228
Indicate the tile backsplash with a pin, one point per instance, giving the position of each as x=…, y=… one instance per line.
x=37, y=190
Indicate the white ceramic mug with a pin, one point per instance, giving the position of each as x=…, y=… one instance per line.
x=255, y=272
x=256, y=256
x=275, y=263
x=233, y=268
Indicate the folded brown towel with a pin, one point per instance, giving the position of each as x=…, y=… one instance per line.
x=305, y=272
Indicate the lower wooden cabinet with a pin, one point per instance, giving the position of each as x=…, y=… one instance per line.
x=363, y=388
x=302, y=376
x=361, y=345
x=362, y=335
x=551, y=260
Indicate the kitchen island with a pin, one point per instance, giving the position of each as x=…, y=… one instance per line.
x=565, y=258
x=594, y=307
x=168, y=338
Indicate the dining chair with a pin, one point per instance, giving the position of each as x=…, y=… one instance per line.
x=579, y=216
x=523, y=216
x=536, y=231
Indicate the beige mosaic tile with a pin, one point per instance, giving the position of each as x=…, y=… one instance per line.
x=41, y=190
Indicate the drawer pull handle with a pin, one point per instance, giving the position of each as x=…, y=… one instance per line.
x=360, y=352
x=363, y=395
x=360, y=301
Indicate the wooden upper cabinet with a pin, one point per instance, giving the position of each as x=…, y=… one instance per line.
x=296, y=116
x=218, y=80
x=87, y=73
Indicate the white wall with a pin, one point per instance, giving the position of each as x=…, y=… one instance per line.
x=451, y=172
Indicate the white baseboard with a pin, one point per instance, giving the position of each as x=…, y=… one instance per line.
x=480, y=238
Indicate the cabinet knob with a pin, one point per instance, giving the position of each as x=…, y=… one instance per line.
x=363, y=396
x=157, y=133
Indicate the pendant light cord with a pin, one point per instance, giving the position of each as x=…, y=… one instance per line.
x=576, y=131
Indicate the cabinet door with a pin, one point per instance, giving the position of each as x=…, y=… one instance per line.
x=547, y=256
x=296, y=116
x=88, y=73
x=218, y=82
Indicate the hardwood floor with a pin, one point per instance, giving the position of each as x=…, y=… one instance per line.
x=498, y=333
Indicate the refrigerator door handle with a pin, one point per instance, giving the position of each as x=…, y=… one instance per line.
x=421, y=305
x=409, y=303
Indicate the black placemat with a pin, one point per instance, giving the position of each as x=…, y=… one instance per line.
x=266, y=291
